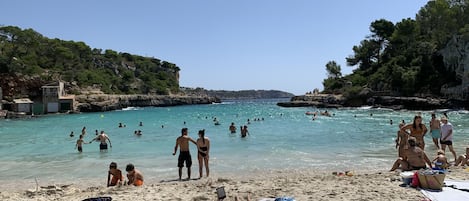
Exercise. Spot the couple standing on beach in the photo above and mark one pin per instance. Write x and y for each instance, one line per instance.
(203, 148)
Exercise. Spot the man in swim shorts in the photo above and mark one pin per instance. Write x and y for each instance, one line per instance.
(102, 138)
(184, 154)
(414, 158)
(435, 130)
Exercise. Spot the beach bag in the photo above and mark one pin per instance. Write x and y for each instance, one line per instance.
(415, 180)
(431, 179)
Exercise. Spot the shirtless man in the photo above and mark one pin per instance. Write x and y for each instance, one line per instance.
(102, 138)
(232, 128)
(417, 130)
(435, 130)
(184, 154)
(414, 158)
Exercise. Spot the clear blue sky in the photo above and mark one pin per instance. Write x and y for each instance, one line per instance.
(219, 44)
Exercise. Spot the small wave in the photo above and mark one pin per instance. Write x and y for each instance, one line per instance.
(130, 108)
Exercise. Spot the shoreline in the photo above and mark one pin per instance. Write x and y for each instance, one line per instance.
(301, 184)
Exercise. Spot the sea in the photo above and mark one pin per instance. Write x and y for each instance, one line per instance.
(40, 149)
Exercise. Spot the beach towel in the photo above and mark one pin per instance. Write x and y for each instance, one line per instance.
(453, 191)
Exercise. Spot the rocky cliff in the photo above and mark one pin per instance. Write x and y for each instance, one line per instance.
(392, 102)
(103, 102)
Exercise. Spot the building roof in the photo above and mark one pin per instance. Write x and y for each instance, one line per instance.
(23, 101)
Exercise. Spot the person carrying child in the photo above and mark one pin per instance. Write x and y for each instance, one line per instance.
(116, 174)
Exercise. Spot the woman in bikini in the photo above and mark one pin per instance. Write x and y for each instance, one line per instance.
(203, 147)
(418, 130)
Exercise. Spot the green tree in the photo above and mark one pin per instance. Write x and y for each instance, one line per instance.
(333, 69)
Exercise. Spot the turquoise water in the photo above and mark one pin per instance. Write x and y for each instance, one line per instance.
(285, 139)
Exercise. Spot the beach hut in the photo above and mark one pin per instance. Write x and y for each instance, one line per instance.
(54, 98)
(23, 105)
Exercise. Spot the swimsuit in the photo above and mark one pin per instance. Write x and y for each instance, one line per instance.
(417, 168)
(436, 133)
(138, 182)
(80, 149)
(184, 156)
(202, 153)
(447, 142)
(102, 146)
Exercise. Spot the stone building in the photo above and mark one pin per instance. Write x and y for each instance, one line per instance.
(54, 98)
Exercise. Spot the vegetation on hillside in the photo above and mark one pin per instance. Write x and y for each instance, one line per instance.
(28, 53)
(405, 58)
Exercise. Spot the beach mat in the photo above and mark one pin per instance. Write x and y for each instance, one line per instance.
(453, 191)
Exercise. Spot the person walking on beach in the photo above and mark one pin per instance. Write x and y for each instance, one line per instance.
(435, 130)
(447, 136)
(80, 143)
(417, 130)
(401, 141)
(203, 147)
(135, 177)
(102, 138)
(232, 127)
(414, 158)
(184, 153)
(116, 174)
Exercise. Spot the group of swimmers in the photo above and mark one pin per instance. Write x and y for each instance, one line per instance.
(103, 138)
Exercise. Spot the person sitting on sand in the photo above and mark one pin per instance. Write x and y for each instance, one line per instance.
(463, 159)
(414, 158)
(440, 161)
(135, 177)
(116, 174)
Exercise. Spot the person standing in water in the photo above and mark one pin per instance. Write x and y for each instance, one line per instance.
(184, 153)
(418, 130)
(232, 128)
(435, 130)
(203, 146)
(102, 138)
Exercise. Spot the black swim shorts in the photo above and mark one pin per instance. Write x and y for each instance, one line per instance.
(446, 142)
(102, 146)
(184, 156)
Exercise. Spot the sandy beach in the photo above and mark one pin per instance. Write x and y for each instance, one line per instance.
(300, 184)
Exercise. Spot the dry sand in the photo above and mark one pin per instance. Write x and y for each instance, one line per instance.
(300, 184)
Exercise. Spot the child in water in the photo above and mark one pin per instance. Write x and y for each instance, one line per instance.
(79, 144)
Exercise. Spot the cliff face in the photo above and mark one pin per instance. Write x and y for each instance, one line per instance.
(102, 102)
(456, 57)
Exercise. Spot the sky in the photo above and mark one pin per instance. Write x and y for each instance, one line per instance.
(219, 44)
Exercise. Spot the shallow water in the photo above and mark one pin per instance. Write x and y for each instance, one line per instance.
(360, 138)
